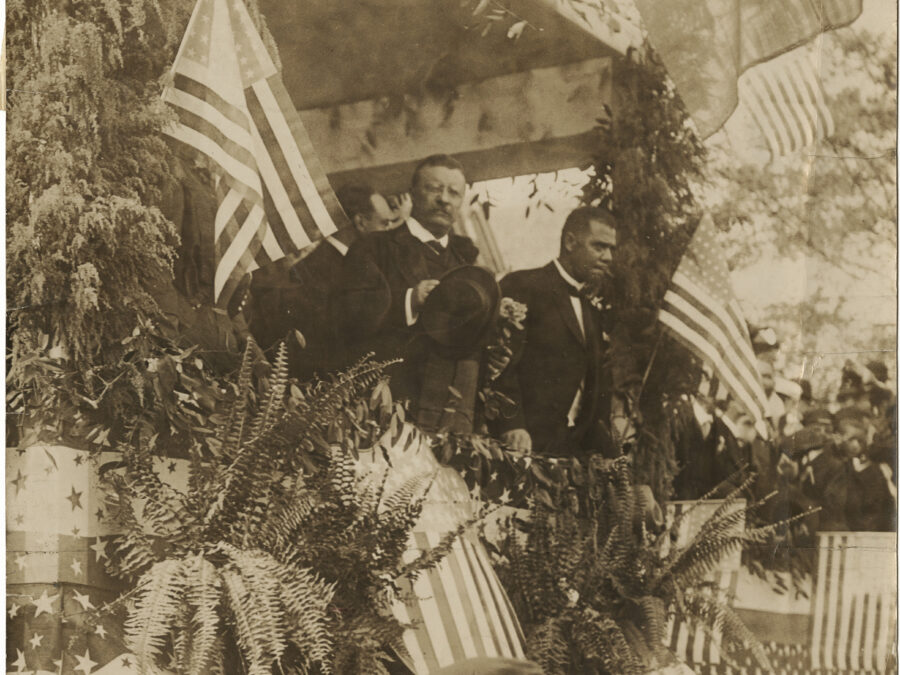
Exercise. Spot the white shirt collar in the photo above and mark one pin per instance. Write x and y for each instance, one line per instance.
(423, 235)
(566, 276)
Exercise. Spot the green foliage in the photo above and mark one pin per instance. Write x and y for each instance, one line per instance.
(277, 551)
(594, 588)
(646, 166)
(89, 251)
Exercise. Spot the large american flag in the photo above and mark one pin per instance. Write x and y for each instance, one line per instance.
(273, 196)
(702, 313)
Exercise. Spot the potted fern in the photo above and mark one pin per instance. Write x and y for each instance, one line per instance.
(277, 557)
(594, 588)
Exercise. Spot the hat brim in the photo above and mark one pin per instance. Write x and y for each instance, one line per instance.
(430, 314)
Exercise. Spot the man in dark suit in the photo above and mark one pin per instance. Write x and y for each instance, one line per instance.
(387, 276)
(296, 294)
(560, 380)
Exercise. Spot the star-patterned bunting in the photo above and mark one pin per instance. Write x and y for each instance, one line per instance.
(83, 600)
(35, 641)
(84, 662)
(75, 498)
(44, 604)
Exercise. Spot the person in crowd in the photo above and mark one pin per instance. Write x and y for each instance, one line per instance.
(560, 380)
(387, 276)
(820, 420)
(871, 497)
(295, 293)
(739, 450)
(814, 476)
(695, 446)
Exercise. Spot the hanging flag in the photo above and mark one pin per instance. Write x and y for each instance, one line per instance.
(785, 101)
(701, 312)
(233, 109)
(707, 44)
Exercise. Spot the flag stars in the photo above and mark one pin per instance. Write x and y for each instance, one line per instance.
(99, 548)
(35, 641)
(79, 459)
(126, 663)
(44, 604)
(84, 662)
(100, 630)
(21, 562)
(84, 600)
(99, 514)
(19, 664)
(13, 610)
(75, 498)
(76, 567)
(20, 519)
(19, 481)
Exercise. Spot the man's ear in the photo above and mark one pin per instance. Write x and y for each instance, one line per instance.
(359, 222)
(568, 242)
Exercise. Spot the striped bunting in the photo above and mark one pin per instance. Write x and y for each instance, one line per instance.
(855, 602)
(784, 98)
(233, 109)
(701, 313)
(458, 610)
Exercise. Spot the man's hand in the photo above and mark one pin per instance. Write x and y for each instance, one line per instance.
(492, 666)
(788, 467)
(420, 292)
(402, 207)
(517, 439)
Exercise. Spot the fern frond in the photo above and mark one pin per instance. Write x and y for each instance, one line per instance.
(272, 403)
(203, 596)
(156, 605)
(240, 605)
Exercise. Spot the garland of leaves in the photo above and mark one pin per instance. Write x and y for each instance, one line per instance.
(645, 166)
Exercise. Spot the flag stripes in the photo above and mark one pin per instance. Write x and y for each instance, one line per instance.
(274, 198)
(784, 98)
(855, 603)
(702, 314)
(458, 609)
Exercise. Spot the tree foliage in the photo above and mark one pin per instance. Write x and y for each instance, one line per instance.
(89, 250)
(831, 210)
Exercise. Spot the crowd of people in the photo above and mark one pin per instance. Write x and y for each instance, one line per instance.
(836, 457)
(404, 284)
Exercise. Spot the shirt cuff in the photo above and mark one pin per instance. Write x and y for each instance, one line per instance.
(411, 317)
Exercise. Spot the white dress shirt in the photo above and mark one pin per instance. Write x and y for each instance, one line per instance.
(423, 235)
(575, 408)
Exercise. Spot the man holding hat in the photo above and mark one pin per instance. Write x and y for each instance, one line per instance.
(387, 277)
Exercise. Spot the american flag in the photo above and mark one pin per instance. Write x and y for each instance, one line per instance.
(233, 109)
(702, 313)
(785, 100)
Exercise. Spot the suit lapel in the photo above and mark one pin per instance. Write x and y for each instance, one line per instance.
(409, 256)
(563, 302)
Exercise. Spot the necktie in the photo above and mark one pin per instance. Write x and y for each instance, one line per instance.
(435, 246)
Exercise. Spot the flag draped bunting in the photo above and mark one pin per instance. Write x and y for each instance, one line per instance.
(701, 312)
(707, 44)
(233, 109)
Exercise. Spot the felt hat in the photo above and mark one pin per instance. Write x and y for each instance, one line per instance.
(817, 416)
(803, 441)
(460, 312)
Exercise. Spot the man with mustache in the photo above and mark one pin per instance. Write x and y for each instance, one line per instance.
(388, 275)
(560, 379)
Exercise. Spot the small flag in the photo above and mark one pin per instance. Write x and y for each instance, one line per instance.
(784, 98)
(233, 109)
(702, 313)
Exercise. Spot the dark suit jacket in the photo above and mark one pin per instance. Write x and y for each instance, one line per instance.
(544, 376)
(299, 298)
(377, 272)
